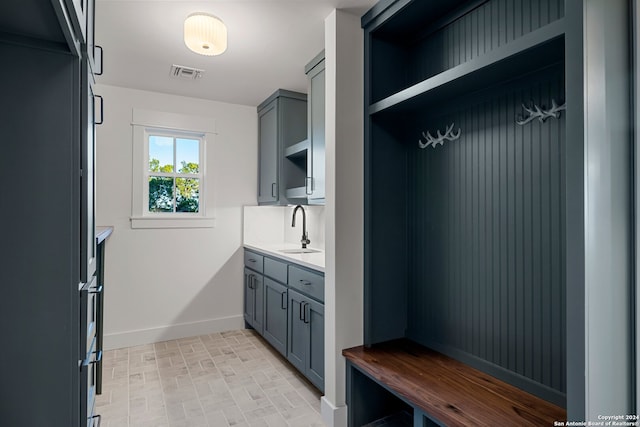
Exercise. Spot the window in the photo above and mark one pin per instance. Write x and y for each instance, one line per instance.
(174, 173)
(170, 184)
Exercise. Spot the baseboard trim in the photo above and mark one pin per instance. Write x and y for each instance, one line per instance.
(171, 332)
(333, 416)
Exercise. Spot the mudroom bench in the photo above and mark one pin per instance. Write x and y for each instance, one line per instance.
(400, 383)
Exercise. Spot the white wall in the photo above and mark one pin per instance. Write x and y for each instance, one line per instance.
(271, 226)
(344, 205)
(169, 283)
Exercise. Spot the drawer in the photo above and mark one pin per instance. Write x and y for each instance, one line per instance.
(277, 270)
(307, 282)
(254, 261)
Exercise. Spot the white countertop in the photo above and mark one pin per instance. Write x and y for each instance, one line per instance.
(313, 260)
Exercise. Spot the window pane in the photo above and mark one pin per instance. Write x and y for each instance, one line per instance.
(188, 155)
(187, 194)
(160, 153)
(160, 194)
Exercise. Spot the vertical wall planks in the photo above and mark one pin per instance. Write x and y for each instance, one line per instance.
(489, 26)
(487, 282)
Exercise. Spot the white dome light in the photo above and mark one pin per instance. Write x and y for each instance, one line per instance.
(205, 34)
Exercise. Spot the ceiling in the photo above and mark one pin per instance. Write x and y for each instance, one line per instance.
(270, 42)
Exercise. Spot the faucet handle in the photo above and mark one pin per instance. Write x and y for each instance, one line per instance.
(305, 240)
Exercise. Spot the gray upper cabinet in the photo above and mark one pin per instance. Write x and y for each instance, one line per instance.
(282, 123)
(315, 182)
(268, 160)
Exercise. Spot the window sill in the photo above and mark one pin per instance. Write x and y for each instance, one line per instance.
(166, 222)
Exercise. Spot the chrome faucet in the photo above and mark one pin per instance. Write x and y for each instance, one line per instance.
(305, 237)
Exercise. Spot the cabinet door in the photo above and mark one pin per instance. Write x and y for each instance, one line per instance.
(316, 181)
(275, 315)
(298, 333)
(87, 197)
(268, 154)
(249, 296)
(258, 307)
(314, 366)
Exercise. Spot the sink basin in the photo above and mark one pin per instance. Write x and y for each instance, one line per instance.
(298, 251)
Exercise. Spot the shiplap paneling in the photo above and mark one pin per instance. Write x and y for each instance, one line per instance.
(396, 65)
(488, 27)
(486, 236)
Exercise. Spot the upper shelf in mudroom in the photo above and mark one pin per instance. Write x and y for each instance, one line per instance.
(532, 51)
(421, 52)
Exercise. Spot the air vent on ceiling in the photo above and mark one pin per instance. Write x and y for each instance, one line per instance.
(186, 73)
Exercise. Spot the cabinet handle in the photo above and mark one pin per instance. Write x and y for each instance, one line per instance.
(273, 190)
(306, 318)
(252, 260)
(308, 185)
(301, 314)
(305, 283)
(97, 291)
(283, 300)
(252, 283)
(101, 59)
(101, 121)
(88, 360)
(96, 417)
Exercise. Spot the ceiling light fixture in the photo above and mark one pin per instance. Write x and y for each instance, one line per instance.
(205, 34)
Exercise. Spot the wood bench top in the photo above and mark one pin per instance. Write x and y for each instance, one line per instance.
(451, 392)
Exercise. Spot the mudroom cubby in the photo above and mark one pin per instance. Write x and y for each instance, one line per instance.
(470, 219)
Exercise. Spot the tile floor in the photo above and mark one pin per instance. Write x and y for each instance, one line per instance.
(220, 380)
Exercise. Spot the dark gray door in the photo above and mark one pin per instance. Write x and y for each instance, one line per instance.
(275, 315)
(268, 152)
(314, 318)
(298, 333)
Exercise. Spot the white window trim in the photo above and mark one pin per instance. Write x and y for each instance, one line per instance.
(145, 122)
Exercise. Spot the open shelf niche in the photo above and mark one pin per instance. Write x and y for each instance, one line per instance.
(465, 239)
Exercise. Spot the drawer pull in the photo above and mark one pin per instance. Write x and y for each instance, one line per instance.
(252, 260)
(88, 360)
(98, 418)
(305, 282)
(96, 291)
(101, 60)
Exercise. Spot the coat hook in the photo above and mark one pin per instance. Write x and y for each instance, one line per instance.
(542, 115)
(449, 135)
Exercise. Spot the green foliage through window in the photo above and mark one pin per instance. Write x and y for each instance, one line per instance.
(170, 191)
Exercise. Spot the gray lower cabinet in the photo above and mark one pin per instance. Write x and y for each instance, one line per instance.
(254, 299)
(275, 315)
(283, 302)
(306, 337)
